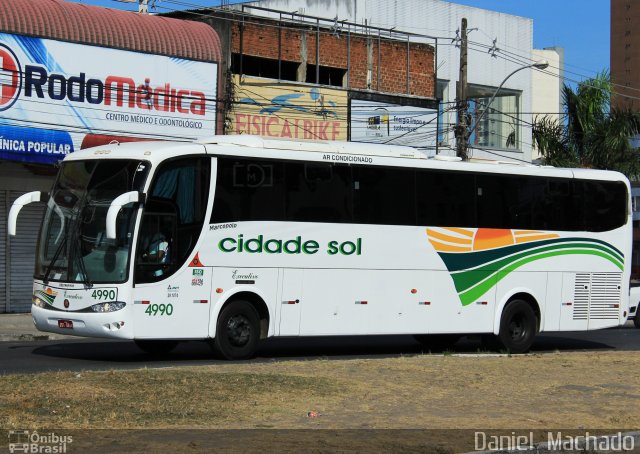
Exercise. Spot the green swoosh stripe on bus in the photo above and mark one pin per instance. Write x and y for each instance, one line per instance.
(474, 273)
(483, 271)
(470, 294)
(459, 262)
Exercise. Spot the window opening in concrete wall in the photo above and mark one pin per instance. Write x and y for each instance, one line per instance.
(328, 75)
(264, 67)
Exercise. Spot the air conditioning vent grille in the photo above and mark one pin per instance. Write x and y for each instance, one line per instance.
(597, 296)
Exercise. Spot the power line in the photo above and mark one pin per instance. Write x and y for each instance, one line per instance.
(196, 7)
(261, 21)
(521, 59)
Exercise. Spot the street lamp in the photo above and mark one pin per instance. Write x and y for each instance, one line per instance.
(543, 64)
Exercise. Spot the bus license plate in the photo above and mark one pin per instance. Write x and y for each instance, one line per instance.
(68, 324)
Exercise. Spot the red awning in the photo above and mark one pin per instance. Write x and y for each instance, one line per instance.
(108, 27)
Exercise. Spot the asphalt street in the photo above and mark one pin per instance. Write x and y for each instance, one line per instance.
(94, 354)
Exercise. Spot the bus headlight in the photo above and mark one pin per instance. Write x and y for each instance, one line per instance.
(38, 302)
(111, 306)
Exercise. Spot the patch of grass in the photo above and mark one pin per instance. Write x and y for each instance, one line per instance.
(564, 390)
(150, 397)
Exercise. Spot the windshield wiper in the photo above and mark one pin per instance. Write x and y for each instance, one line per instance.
(54, 260)
(58, 251)
(72, 235)
(76, 249)
(77, 254)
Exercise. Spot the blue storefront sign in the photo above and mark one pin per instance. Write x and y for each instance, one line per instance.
(34, 145)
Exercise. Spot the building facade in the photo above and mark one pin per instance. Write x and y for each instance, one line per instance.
(625, 53)
(625, 77)
(498, 44)
(292, 75)
(546, 88)
(329, 83)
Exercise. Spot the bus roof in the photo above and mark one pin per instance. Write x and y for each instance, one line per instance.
(152, 151)
(319, 146)
(325, 151)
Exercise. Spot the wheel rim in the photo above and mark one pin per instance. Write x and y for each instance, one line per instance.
(238, 330)
(517, 328)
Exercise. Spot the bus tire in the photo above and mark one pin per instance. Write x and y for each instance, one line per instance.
(156, 347)
(636, 320)
(518, 327)
(437, 342)
(237, 332)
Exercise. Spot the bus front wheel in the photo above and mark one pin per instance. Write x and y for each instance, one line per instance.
(518, 327)
(237, 332)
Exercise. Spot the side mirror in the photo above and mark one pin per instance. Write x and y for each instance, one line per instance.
(25, 199)
(116, 206)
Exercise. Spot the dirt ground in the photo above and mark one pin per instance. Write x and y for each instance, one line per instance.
(519, 392)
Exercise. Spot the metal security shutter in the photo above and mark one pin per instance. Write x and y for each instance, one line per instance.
(22, 250)
(4, 210)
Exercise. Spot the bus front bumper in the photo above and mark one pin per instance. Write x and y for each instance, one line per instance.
(108, 325)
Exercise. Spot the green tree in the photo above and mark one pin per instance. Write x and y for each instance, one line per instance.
(595, 134)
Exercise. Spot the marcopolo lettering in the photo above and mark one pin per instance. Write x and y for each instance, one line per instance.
(120, 91)
(297, 245)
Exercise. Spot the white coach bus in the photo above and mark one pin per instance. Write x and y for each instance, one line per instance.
(239, 238)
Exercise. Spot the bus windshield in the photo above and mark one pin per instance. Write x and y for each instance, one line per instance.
(73, 246)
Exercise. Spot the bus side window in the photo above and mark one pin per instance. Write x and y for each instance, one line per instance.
(558, 212)
(445, 198)
(492, 201)
(158, 233)
(604, 204)
(248, 190)
(318, 192)
(173, 217)
(384, 195)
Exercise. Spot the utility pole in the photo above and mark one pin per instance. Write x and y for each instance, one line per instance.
(462, 136)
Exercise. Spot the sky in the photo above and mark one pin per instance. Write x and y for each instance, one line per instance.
(581, 27)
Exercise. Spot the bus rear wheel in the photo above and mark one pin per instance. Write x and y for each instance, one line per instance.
(156, 347)
(237, 332)
(518, 327)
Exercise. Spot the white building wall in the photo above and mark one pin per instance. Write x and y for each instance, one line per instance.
(438, 18)
(546, 87)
